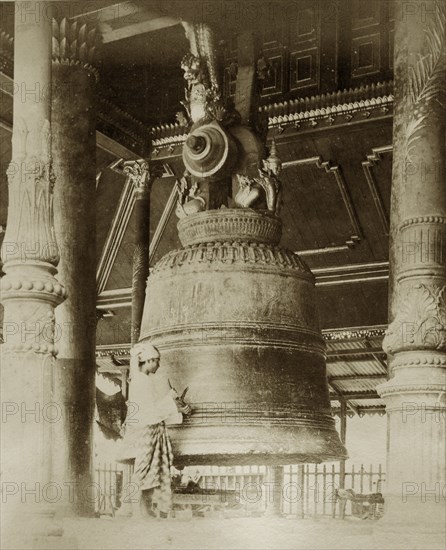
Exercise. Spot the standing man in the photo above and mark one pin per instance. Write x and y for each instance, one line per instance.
(153, 404)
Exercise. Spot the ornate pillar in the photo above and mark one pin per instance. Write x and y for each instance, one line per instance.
(416, 337)
(73, 119)
(142, 179)
(30, 291)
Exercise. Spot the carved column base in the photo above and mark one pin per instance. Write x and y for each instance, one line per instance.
(29, 294)
(416, 411)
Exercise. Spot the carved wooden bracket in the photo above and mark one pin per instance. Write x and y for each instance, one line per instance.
(356, 232)
(367, 165)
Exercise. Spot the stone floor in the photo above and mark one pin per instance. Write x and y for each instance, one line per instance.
(237, 533)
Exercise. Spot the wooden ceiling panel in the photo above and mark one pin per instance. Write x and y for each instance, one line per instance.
(121, 271)
(321, 193)
(114, 329)
(169, 240)
(336, 189)
(353, 305)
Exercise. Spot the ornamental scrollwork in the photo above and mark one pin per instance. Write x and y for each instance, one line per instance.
(142, 174)
(420, 322)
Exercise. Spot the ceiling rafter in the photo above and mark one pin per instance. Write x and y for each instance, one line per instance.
(341, 398)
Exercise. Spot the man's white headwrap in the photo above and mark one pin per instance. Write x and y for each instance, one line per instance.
(142, 350)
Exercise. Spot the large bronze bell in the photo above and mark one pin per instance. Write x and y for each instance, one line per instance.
(232, 313)
(234, 317)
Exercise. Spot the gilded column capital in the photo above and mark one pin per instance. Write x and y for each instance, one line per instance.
(75, 43)
(142, 175)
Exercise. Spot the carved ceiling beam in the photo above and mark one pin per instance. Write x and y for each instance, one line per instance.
(126, 19)
(247, 90)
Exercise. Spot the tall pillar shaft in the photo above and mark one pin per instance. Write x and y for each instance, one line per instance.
(142, 178)
(74, 128)
(416, 337)
(138, 171)
(30, 291)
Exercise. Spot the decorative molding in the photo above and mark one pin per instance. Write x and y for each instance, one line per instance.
(370, 94)
(368, 410)
(353, 333)
(169, 142)
(431, 358)
(373, 42)
(27, 288)
(423, 219)
(229, 224)
(423, 242)
(44, 349)
(226, 253)
(116, 298)
(325, 250)
(356, 232)
(280, 335)
(328, 117)
(113, 349)
(354, 273)
(367, 166)
(388, 388)
(325, 110)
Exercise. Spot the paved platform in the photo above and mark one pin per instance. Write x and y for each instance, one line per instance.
(234, 533)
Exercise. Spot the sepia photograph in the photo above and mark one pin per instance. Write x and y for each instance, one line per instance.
(223, 274)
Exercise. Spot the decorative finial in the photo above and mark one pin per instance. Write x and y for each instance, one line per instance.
(273, 162)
